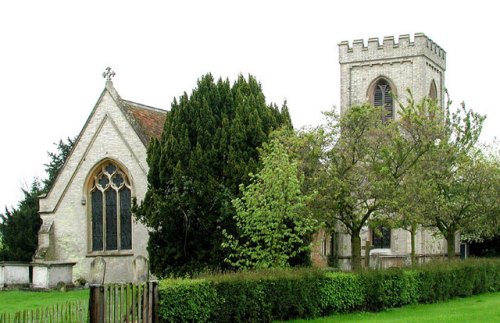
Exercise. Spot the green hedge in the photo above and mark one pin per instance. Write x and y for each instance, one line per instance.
(305, 293)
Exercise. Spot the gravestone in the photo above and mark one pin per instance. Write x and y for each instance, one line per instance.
(97, 271)
(141, 269)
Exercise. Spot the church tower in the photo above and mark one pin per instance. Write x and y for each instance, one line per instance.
(371, 73)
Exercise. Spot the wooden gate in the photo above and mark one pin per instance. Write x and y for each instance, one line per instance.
(124, 303)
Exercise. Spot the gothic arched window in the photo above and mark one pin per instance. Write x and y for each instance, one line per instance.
(382, 98)
(110, 217)
(433, 91)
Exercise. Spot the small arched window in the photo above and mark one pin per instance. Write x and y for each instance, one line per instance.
(382, 97)
(433, 91)
(110, 200)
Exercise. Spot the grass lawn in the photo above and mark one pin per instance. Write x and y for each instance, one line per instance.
(15, 300)
(480, 308)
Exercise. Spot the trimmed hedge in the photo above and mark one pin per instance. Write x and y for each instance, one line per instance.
(270, 295)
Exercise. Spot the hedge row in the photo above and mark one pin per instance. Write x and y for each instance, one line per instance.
(285, 294)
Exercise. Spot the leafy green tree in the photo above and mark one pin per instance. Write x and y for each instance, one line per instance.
(19, 226)
(413, 136)
(207, 149)
(365, 161)
(455, 179)
(272, 218)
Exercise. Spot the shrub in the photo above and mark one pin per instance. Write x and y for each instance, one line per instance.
(439, 281)
(389, 288)
(341, 293)
(264, 296)
(186, 300)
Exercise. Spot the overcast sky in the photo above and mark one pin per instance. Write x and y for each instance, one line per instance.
(52, 55)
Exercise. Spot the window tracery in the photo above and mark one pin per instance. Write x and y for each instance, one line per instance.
(110, 203)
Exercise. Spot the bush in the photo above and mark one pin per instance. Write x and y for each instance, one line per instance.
(341, 293)
(439, 281)
(186, 300)
(264, 296)
(389, 288)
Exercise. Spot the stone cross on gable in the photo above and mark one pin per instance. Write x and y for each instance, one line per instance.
(108, 73)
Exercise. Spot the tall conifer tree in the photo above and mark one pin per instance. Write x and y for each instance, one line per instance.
(207, 149)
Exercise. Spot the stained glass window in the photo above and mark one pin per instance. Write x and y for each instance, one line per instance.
(110, 198)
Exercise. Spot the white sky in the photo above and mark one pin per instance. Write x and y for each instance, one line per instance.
(52, 54)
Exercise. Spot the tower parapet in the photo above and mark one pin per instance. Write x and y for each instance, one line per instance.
(389, 49)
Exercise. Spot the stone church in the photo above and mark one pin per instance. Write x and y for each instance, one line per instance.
(87, 214)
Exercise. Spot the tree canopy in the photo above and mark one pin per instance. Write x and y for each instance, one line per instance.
(273, 221)
(456, 183)
(207, 149)
(365, 160)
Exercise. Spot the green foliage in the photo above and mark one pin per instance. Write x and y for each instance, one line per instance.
(207, 149)
(341, 293)
(442, 281)
(264, 296)
(365, 161)
(19, 226)
(272, 219)
(186, 300)
(57, 160)
(452, 187)
(389, 288)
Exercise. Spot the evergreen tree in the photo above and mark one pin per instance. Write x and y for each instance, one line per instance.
(207, 149)
(19, 226)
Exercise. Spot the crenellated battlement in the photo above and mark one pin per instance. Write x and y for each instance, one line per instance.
(375, 50)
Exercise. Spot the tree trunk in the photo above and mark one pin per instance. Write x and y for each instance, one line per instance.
(356, 251)
(450, 240)
(412, 234)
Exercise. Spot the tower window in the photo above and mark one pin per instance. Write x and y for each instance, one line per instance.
(433, 91)
(382, 98)
(110, 200)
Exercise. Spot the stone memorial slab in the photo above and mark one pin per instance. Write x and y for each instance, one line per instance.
(97, 271)
(49, 274)
(140, 267)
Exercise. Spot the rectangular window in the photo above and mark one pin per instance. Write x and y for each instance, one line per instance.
(381, 239)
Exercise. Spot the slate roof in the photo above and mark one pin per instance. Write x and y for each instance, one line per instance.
(146, 121)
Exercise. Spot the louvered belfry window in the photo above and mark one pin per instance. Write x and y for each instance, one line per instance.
(110, 198)
(382, 98)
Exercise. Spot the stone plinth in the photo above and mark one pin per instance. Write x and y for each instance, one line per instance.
(14, 274)
(47, 275)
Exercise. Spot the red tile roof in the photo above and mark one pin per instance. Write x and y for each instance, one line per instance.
(146, 121)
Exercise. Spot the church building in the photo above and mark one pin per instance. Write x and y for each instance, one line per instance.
(87, 212)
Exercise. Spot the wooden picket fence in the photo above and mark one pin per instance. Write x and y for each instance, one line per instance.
(71, 312)
(107, 303)
(124, 303)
